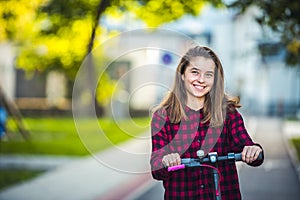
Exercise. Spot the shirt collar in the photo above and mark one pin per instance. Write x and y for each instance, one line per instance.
(190, 110)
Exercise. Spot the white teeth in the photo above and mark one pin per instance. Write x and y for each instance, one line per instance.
(199, 87)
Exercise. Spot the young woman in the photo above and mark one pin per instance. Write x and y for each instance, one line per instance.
(197, 114)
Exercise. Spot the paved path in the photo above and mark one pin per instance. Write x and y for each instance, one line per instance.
(35, 162)
(276, 179)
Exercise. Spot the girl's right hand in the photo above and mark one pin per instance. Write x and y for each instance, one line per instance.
(171, 160)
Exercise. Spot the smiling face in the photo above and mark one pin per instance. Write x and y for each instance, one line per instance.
(198, 79)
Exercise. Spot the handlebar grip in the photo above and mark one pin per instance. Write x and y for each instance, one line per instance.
(260, 156)
(177, 167)
(238, 156)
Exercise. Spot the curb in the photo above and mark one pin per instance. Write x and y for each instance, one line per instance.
(126, 189)
(141, 189)
(290, 147)
(129, 189)
(35, 162)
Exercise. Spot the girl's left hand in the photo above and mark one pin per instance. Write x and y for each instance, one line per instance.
(251, 153)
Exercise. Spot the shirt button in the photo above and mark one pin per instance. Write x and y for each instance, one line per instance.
(202, 186)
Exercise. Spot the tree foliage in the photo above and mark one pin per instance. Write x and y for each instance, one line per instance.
(155, 12)
(283, 17)
(16, 17)
(64, 28)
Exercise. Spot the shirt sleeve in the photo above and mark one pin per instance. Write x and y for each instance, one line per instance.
(239, 136)
(160, 126)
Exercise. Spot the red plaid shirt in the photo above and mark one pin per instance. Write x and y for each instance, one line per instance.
(186, 138)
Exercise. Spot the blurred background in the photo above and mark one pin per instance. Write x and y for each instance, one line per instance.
(134, 48)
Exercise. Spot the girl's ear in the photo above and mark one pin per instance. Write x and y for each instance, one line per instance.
(182, 77)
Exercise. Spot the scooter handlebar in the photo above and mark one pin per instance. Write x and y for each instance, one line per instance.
(193, 162)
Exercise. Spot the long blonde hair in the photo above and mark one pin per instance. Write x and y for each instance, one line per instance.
(216, 102)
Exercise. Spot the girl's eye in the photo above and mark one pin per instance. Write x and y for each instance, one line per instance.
(209, 75)
(195, 72)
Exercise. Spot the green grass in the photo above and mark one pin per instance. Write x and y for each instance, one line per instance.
(296, 143)
(59, 136)
(10, 177)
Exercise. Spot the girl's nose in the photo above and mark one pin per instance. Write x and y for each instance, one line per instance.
(201, 78)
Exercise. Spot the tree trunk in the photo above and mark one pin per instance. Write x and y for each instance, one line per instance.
(14, 112)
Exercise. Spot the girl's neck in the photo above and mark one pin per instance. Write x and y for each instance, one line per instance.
(195, 103)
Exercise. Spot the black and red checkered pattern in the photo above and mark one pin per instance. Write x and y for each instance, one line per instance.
(186, 138)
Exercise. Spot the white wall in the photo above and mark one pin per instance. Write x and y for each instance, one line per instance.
(7, 72)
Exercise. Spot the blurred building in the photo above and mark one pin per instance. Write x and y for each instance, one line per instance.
(35, 93)
(265, 84)
(7, 71)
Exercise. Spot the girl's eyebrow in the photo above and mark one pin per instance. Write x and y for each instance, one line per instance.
(195, 68)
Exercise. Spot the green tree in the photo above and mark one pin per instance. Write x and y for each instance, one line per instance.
(283, 17)
(155, 13)
(61, 43)
(16, 17)
(50, 34)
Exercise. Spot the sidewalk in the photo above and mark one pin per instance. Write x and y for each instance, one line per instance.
(276, 179)
(34, 162)
(125, 167)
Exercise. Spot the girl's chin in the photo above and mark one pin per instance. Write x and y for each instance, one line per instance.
(197, 95)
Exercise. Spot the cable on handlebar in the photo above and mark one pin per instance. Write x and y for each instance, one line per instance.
(219, 174)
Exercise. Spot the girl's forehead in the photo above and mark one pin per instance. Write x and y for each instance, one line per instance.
(202, 63)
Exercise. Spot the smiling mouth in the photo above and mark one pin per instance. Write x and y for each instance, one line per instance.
(199, 87)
